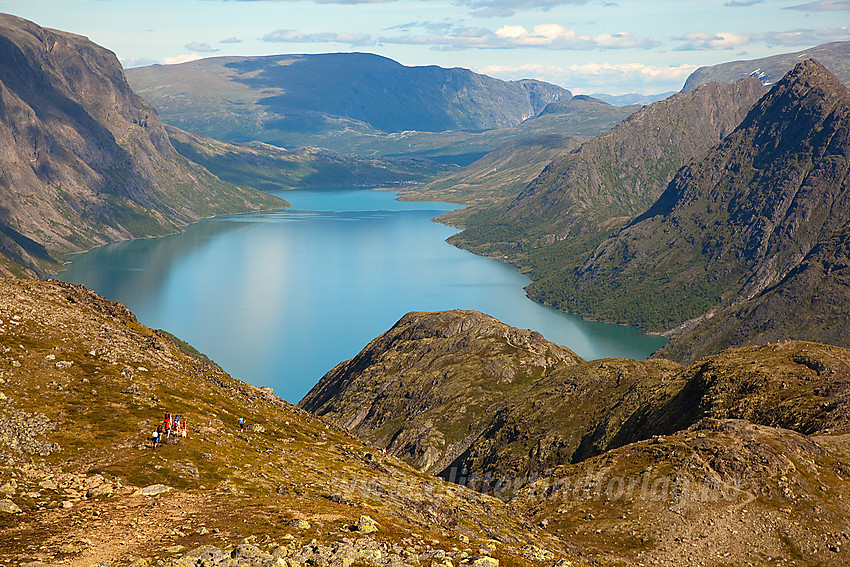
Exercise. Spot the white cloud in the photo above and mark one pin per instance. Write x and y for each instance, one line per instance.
(615, 78)
(201, 47)
(130, 62)
(182, 58)
(293, 36)
(546, 36)
(231, 40)
(823, 6)
(702, 41)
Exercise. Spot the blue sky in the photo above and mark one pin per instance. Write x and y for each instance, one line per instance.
(645, 46)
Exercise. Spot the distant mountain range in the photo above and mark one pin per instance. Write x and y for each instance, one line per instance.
(631, 98)
(86, 160)
(332, 100)
(834, 56)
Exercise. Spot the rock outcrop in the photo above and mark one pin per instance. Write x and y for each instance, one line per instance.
(425, 388)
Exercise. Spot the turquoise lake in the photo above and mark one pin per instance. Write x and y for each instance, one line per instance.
(279, 298)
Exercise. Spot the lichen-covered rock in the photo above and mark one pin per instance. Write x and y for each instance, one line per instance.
(536, 553)
(366, 525)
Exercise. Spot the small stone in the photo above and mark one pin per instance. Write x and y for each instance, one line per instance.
(99, 491)
(50, 357)
(9, 507)
(175, 549)
(298, 524)
(15, 363)
(255, 427)
(67, 504)
(202, 531)
(64, 364)
(3, 397)
(47, 484)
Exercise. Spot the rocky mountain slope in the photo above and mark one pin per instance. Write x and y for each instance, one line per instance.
(82, 387)
(635, 460)
(458, 390)
(737, 221)
(425, 388)
(579, 198)
(834, 56)
(84, 384)
(722, 492)
(319, 100)
(85, 160)
(810, 303)
(513, 157)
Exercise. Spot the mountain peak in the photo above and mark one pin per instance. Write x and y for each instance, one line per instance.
(807, 80)
(737, 221)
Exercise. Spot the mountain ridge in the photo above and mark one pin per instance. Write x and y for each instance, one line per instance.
(769, 70)
(280, 99)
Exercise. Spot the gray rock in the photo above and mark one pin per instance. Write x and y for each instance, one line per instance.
(9, 507)
(152, 490)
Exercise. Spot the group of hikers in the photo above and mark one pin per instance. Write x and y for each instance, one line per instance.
(171, 426)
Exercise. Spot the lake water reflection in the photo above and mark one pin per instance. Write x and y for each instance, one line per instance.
(279, 298)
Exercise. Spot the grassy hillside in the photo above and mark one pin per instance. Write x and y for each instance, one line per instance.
(84, 385)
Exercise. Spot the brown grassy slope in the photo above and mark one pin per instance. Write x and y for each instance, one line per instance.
(84, 384)
(723, 492)
(457, 391)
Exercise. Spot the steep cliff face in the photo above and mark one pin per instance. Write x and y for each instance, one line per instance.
(622, 172)
(737, 221)
(810, 303)
(85, 160)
